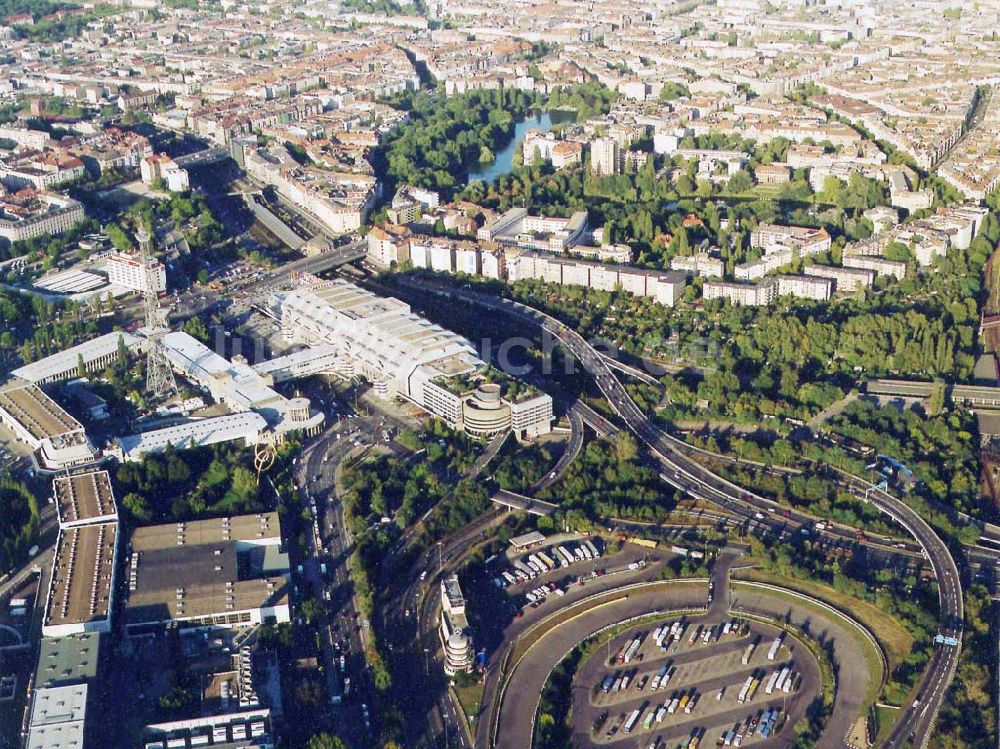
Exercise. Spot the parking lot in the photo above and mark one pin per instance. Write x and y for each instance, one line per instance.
(709, 682)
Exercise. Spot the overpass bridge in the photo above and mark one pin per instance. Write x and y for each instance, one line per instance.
(977, 396)
(519, 502)
(204, 156)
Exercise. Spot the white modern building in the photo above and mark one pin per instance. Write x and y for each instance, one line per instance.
(405, 356)
(58, 718)
(701, 264)
(455, 639)
(97, 354)
(245, 428)
(768, 290)
(161, 166)
(664, 287)
(237, 385)
(127, 271)
(605, 157)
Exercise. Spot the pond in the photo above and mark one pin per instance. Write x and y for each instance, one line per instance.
(505, 157)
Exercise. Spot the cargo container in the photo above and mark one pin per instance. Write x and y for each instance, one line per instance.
(789, 682)
(585, 551)
(679, 550)
(775, 647)
(578, 553)
(682, 705)
(694, 742)
(769, 687)
(748, 652)
(592, 547)
(567, 558)
(631, 650)
(742, 696)
(546, 560)
(782, 677)
(633, 718)
(753, 689)
(648, 722)
(672, 706)
(694, 634)
(661, 713)
(616, 687)
(689, 707)
(666, 677)
(658, 677)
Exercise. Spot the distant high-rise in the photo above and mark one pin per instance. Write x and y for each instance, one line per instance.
(604, 157)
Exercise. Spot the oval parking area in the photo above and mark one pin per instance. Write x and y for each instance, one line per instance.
(737, 681)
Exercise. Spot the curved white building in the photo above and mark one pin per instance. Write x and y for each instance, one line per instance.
(403, 355)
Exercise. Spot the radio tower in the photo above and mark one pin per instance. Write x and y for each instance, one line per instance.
(160, 383)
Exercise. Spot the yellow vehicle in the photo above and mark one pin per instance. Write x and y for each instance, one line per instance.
(641, 542)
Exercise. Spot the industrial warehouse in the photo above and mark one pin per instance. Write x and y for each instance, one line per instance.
(224, 572)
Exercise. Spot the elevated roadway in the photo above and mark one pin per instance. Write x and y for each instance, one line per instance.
(916, 721)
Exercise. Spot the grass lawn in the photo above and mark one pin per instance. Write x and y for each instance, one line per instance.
(470, 696)
(886, 720)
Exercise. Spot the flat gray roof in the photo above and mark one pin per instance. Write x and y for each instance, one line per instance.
(68, 660)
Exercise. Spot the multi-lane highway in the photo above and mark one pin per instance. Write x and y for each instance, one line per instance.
(916, 720)
(329, 545)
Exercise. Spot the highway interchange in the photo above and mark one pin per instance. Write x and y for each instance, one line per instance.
(691, 477)
(915, 721)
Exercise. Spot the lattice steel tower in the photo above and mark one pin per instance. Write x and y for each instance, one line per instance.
(160, 383)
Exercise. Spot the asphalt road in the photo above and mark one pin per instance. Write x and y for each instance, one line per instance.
(569, 454)
(328, 544)
(340, 627)
(515, 721)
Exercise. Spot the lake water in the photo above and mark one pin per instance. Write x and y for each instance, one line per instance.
(505, 157)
